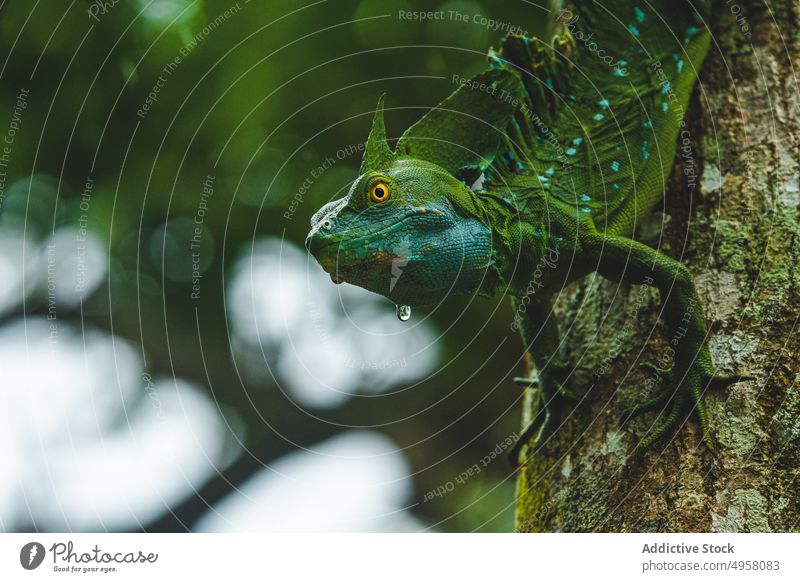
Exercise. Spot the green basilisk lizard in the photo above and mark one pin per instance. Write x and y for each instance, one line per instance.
(532, 174)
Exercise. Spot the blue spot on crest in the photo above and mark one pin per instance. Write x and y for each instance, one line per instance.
(598, 117)
(550, 171)
(571, 151)
(584, 198)
(633, 29)
(664, 106)
(603, 103)
(615, 166)
(647, 124)
(639, 14)
(577, 141)
(585, 209)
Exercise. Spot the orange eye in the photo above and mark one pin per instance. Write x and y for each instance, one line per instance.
(379, 192)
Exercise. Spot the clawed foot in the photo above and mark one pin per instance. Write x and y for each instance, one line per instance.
(688, 389)
(551, 398)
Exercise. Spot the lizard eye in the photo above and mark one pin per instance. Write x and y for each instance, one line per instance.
(379, 192)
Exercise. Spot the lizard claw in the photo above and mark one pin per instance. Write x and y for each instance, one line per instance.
(552, 399)
(653, 403)
(678, 393)
(541, 426)
(654, 369)
(531, 381)
(725, 380)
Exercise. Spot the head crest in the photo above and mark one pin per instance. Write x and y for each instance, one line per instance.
(377, 154)
(466, 129)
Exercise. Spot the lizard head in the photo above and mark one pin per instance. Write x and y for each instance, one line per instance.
(407, 229)
(399, 233)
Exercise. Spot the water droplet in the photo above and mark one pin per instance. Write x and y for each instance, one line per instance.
(403, 312)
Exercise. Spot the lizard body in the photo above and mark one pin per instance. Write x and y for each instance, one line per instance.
(567, 146)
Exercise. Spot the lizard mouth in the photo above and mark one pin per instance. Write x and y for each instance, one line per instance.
(317, 246)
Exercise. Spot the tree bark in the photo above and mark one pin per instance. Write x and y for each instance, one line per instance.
(737, 230)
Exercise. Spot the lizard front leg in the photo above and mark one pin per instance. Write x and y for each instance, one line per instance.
(539, 332)
(622, 259)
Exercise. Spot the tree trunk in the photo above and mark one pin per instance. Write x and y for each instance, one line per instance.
(736, 227)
